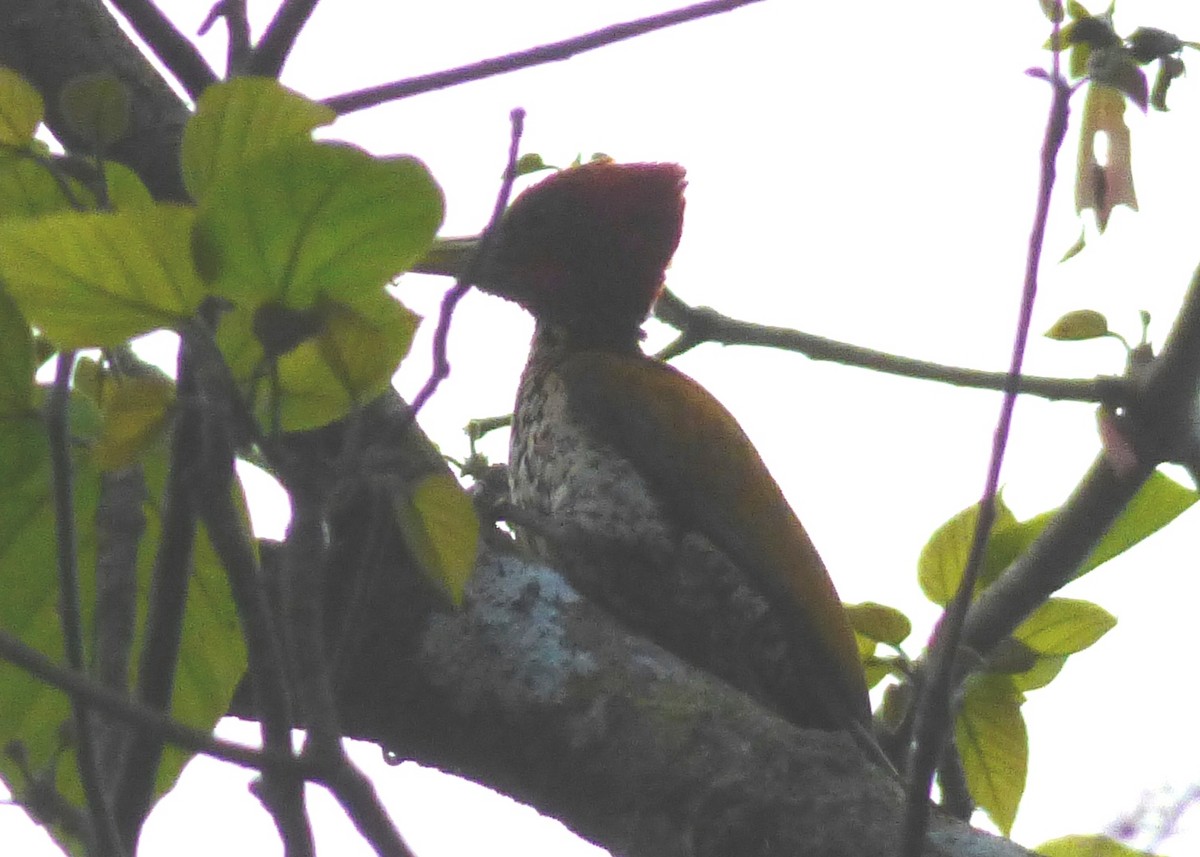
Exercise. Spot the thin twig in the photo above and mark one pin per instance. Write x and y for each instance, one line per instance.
(70, 610)
(159, 657)
(933, 711)
(358, 797)
(699, 325)
(553, 52)
(441, 363)
(277, 42)
(120, 707)
(173, 48)
(282, 795)
(237, 25)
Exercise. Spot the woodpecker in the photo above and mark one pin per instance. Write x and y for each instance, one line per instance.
(660, 508)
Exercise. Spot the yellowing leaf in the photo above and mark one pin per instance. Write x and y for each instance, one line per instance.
(93, 280)
(1103, 187)
(994, 747)
(441, 530)
(237, 121)
(879, 622)
(306, 222)
(135, 412)
(1079, 325)
(96, 106)
(20, 109)
(1063, 626)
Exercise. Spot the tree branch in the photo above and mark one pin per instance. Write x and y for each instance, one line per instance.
(172, 47)
(553, 52)
(700, 325)
(277, 42)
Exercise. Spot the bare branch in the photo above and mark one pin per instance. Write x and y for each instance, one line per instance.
(441, 362)
(699, 325)
(277, 42)
(553, 52)
(172, 47)
(933, 706)
(121, 707)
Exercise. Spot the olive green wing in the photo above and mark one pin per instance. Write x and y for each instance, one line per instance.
(692, 450)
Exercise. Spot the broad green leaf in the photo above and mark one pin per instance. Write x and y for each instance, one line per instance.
(1103, 187)
(237, 121)
(879, 622)
(135, 413)
(212, 659)
(125, 188)
(349, 358)
(1078, 325)
(309, 221)
(89, 280)
(20, 109)
(441, 530)
(27, 188)
(1160, 501)
(16, 359)
(994, 747)
(876, 669)
(1088, 845)
(1064, 626)
(96, 107)
(1044, 670)
(944, 557)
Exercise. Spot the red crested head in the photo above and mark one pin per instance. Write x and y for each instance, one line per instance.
(587, 249)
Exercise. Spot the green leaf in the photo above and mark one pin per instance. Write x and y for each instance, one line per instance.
(1078, 325)
(308, 221)
(348, 357)
(1160, 501)
(135, 413)
(89, 280)
(441, 530)
(212, 657)
(1044, 670)
(1064, 626)
(96, 107)
(1090, 845)
(238, 121)
(125, 188)
(879, 622)
(21, 109)
(16, 360)
(944, 557)
(27, 188)
(994, 747)
(1076, 248)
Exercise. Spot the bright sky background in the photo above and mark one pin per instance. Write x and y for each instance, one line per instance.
(861, 171)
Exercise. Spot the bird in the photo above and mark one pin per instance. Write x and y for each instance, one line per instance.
(634, 480)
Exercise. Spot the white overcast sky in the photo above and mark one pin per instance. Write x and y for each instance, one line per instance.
(862, 171)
